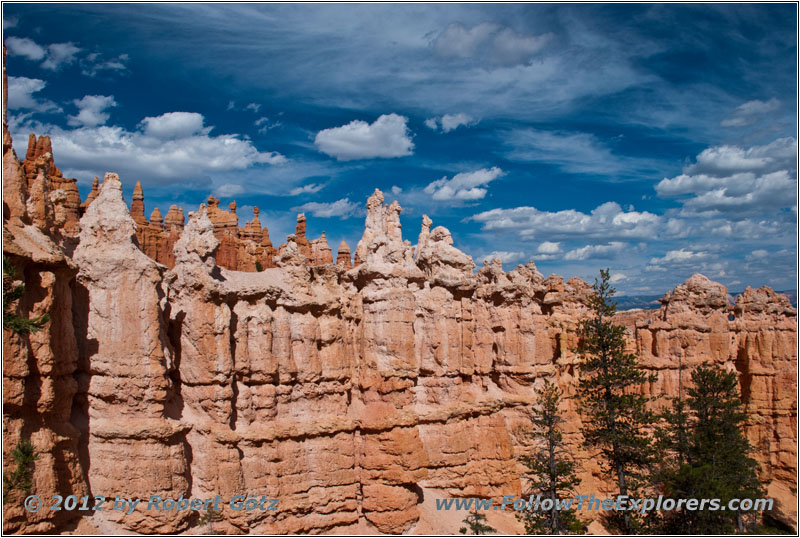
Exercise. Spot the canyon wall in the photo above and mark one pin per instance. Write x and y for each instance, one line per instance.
(350, 393)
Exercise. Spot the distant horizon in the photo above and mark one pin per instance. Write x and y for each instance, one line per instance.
(657, 140)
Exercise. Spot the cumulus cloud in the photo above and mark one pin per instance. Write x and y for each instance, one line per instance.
(170, 147)
(27, 48)
(750, 112)
(20, 95)
(396, 190)
(605, 221)
(504, 256)
(92, 110)
(306, 189)
(174, 125)
(736, 181)
(60, 55)
(681, 255)
(464, 186)
(449, 122)
(488, 41)
(617, 277)
(387, 137)
(549, 247)
(343, 208)
(53, 56)
(596, 251)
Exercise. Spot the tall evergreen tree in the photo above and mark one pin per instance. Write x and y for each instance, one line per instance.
(551, 469)
(614, 412)
(716, 463)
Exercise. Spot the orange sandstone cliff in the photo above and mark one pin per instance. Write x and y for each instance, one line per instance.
(354, 394)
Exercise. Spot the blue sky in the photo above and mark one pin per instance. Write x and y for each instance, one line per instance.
(658, 140)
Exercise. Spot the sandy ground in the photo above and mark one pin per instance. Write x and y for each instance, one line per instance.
(439, 522)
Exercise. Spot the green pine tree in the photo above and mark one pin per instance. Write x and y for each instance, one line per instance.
(714, 461)
(476, 524)
(551, 469)
(615, 414)
(12, 293)
(21, 478)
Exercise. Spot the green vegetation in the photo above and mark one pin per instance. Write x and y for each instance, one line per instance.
(259, 267)
(22, 478)
(208, 519)
(615, 414)
(11, 294)
(476, 524)
(551, 469)
(705, 455)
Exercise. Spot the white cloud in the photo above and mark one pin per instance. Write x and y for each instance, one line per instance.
(449, 122)
(20, 95)
(456, 41)
(605, 221)
(255, 107)
(310, 188)
(174, 125)
(264, 125)
(549, 247)
(504, 256)
(757, 255)
(343, 208)
(60, 55)
(91, 110)
(396, 190)
(511, 48)
(228, 190)
(27, 48)
(750, 112)
(736, 181)
(10, 22)
(617, 277)
(574, 152)
(681, 255)
(464, 186)
(170, 147)
(781, 154)
(596, 251)
(488, 41)
(387, 137)
(94, 64)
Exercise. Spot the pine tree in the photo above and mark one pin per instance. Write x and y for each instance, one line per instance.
(12, 293)
(475, 522)
(614, 413)
(551, 469)
(717, 464)
(21, 478)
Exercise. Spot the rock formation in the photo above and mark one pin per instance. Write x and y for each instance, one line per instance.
(171, 366)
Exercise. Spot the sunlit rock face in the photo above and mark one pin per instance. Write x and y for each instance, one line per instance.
(190, 358)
